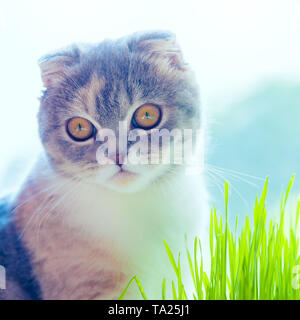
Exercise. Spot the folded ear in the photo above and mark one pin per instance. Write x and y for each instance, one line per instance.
(54, 67)
(161, 44)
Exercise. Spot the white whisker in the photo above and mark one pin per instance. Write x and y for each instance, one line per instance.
(234, 172)
(34, 215)
(233, 188)
(235, 177)
(49, 211)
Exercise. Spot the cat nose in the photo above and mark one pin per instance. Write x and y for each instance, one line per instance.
(119, 159)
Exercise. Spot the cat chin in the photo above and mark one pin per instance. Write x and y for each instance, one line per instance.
(127, 183)
(129, 189)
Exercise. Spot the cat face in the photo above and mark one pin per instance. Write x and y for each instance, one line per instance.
(131, 87)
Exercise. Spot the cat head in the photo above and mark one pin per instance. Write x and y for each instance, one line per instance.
(130, 87)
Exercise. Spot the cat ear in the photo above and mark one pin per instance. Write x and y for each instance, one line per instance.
(162, 44)
(54, 67)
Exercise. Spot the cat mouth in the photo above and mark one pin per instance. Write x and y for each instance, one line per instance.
(123, 177)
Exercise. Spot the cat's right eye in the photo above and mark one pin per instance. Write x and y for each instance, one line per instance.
(80, 129)
(146, 116)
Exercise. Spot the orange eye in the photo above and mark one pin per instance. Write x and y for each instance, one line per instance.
(146, 116)
(80, 129)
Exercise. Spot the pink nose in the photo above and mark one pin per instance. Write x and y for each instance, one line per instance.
(117, 159)
(120, 157)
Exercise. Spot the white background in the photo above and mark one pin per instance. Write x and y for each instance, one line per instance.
(233, 45)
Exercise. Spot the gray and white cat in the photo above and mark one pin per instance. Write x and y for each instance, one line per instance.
(81, 230)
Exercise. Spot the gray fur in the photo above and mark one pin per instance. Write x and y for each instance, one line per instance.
(104, 82)
(127, 69)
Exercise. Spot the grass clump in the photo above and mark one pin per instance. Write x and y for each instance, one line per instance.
(259, 263)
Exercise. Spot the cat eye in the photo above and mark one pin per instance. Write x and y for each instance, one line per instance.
(146, 116)
(80, 129)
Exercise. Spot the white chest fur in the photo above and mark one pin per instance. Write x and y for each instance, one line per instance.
(95, 238)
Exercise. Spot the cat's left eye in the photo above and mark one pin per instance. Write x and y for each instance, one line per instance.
(146, 116)
(80, 129)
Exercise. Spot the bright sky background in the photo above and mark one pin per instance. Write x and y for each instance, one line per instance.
(234, 46)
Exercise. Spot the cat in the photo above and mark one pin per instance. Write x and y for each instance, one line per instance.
(78, 229)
